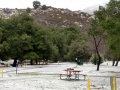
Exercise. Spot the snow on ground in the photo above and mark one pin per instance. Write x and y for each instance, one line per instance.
(46, 77)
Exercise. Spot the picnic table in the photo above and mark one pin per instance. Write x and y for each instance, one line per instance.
(71, 72)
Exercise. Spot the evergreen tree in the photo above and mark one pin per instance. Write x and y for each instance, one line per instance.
(36, 4)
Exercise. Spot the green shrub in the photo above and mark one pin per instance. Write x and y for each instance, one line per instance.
(44, 7)
(28, 10)
(94, 60)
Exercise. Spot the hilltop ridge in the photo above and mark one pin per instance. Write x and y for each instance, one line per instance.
(59, 17)
(55, 17)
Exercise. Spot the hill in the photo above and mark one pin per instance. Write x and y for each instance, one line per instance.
(58, 17)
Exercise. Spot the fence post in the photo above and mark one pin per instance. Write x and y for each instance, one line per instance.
(113, 83)
(2, 72)
(88, 84)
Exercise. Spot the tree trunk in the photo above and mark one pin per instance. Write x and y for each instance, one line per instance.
(95, 59)
(117, 62)
(46, 61)
(113, 62)
(31, 62)
(21, 62)
(15, 62)
(97, 52)
(36, 62)
(99, 59)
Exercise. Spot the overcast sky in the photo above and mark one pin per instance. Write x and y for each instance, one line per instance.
(70, 4)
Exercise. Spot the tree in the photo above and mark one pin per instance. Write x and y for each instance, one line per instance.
(44, 7)
(20, 30)
(97, 34)
(31, 56)
(36, 4)
(113, 48)
(76, 43)
(59, 42)
(22, 38)
(4, 48)
(28, 10)
(30, 41)
(67, 43)
(109, 20)
(44, 45)
(94, 59)
(113, 21)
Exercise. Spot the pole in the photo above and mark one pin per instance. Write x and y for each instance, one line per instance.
(2, 72)
(88, 84)
(113, 83)
(16, 66)
(76, 62)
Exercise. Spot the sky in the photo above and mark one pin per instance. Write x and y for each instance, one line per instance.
(69, 4)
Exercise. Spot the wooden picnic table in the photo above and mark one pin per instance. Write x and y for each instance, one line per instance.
(72, 72)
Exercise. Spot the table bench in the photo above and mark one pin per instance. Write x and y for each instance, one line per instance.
(83, 75)
(68, 75)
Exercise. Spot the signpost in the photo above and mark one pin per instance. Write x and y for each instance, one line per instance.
(76, 62)
(16, 66)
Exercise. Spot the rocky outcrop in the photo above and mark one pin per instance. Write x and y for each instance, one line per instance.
(7, 13)
(58, 17)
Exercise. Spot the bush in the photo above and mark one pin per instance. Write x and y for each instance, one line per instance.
(44, 7)
(28, 10)
(95, 61)
(36, 4)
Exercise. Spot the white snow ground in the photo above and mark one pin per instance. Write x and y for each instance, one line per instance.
(46, 77)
